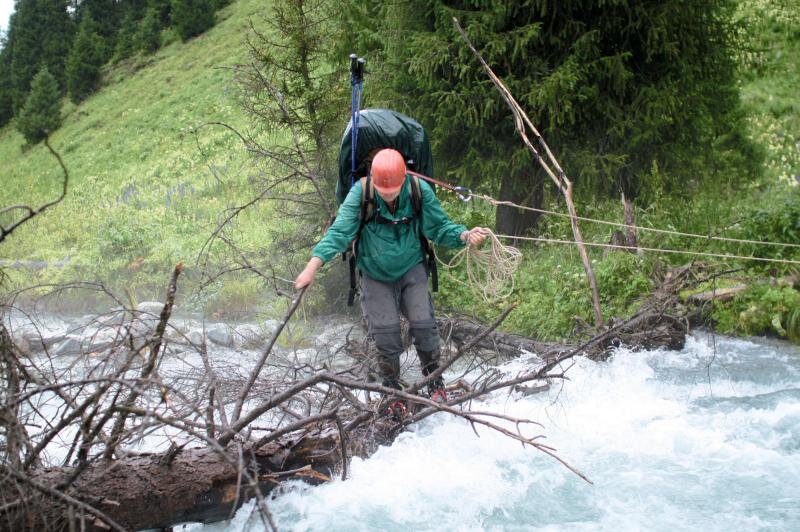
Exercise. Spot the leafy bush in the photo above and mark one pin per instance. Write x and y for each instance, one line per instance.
(761, 309)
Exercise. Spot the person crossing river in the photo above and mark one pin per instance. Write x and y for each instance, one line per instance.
(391, 261)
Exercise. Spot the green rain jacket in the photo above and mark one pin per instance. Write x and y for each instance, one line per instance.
(385, 251)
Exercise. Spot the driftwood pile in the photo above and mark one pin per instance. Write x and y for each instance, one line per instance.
(234, 437)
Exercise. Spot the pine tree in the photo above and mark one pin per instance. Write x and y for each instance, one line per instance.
(103, 18)
(126, 38)
(84, 62)
(192, 17)
(41, 114)
(148, 37)
(6, 108)
(616, 88)
(43, 33)
(289, 89)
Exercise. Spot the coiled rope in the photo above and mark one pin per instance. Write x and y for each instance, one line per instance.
(490, 268)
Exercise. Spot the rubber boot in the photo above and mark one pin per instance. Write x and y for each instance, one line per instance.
(429, 361)
(389, 369)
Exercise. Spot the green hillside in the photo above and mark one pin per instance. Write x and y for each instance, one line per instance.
(146, 185)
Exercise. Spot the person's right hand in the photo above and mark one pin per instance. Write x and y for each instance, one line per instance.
(308, 274)
(305, 278)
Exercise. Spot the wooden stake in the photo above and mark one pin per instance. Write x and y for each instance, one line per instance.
(564, 185)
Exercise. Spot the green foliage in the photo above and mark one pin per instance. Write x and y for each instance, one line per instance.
(148, 38)
(41, 114)
(84, 62)
(101, 17)
(42, 36)
(622, 279)
(192, 17)
(238, 295)
(609, 85)
(126, 39)
(6, 107)
(774, 221)
(761, 309)
(772, 74)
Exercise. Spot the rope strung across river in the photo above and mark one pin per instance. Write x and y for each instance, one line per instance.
(495, 202)
(491, 269)
(657, 250)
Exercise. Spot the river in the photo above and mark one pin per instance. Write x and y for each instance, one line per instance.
(703, 439)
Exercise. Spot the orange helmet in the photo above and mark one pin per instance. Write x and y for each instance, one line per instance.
(388, 171)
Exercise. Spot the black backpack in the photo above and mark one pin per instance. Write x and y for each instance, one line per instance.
(379, 129)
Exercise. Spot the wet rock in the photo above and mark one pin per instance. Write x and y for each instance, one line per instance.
(152, 309)
(249, 336)
(221, 335)
(38, 341)
(71, 345)
(270, 326)
(195, 337)
(335, 339)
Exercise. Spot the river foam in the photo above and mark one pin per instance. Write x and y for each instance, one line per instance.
(704, 439)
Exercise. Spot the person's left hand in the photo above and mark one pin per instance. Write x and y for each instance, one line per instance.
(476, 236)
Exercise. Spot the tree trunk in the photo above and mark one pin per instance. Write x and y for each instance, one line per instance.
(526, 188)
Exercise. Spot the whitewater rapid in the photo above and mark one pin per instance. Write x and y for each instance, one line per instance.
(703, 439)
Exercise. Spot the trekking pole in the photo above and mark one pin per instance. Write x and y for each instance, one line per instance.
(463, 193)
(356, 84)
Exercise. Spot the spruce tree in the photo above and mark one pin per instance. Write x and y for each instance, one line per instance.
(148, 36)
(616, 88)
(126, 38)
(6, 108)
(41, 114)
(84, 62)
(43, 33)
(103, 17)
(192, 17)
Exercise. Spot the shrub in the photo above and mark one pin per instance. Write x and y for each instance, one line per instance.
(41, 114)
(192, 17)
(761, 309)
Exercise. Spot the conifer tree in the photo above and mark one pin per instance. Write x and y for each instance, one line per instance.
(148, 36)
(126, 38)
(616, 88)
(41, 113)
(192, 17)
(6, 109)
(43, 33)
(103, 18)
(84, 63)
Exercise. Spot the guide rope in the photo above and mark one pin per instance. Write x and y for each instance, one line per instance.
(495, 202)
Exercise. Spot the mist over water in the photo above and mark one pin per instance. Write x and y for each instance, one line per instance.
(703, 439)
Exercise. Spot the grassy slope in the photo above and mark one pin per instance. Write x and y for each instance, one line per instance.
(141, 188)
(144, 188)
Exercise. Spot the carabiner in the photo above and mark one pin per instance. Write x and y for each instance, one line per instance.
(463, 193)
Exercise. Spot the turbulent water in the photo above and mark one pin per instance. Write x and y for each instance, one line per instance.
(707, 438)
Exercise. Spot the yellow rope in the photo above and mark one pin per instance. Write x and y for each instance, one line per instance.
(490, 269)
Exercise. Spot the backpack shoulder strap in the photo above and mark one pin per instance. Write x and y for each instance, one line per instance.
(367, 201)
(416, 196)
(427, 248)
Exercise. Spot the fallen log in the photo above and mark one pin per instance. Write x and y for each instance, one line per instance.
(197, 485)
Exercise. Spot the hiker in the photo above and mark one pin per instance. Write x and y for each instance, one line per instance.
(390, 258)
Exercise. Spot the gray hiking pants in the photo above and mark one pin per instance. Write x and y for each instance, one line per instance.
(381, 306)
